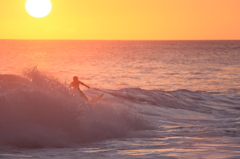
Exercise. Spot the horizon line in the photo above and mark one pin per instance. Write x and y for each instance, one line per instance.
(129, 39)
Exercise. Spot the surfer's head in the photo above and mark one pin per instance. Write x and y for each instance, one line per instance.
(75, 78)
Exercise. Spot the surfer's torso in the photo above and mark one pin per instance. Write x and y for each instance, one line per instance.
(75, 85)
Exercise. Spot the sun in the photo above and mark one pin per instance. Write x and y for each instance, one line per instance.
(38, 8)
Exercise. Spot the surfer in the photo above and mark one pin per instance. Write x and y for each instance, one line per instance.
(75, 85)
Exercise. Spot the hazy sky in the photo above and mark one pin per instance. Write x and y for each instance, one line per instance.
(124, 20)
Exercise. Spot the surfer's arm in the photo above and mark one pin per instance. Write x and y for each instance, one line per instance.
(84, 84)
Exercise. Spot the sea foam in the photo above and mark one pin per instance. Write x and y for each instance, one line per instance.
(39, 111)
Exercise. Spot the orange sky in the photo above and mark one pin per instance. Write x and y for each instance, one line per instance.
(124, 20)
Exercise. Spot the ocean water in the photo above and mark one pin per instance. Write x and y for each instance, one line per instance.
(162, 99)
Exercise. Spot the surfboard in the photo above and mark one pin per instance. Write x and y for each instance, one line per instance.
(94, 100)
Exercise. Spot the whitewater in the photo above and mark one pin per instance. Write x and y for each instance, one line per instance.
(162, 99)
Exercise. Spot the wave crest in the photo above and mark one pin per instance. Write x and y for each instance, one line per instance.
(39, 111)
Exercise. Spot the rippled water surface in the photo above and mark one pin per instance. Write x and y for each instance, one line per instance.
(162, 99)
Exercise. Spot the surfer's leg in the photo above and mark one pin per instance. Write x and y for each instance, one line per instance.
(83, 95)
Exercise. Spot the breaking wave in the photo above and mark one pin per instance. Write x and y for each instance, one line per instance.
(37, 110)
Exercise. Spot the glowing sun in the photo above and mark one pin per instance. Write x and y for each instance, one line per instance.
(38, 8)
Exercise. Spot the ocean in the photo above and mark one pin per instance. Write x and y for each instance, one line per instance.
(162, 99)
